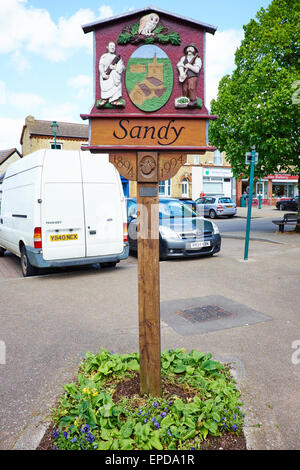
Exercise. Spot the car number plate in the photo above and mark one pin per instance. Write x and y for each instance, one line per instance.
(64, 237)
(198, 244)
(229, 207)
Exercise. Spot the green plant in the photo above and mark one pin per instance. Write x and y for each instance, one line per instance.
(88, 416)
(160, 35)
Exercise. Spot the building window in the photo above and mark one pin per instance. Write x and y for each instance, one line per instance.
(217, 157)
(212, 185)
(196, 159)
(58, 146)
(284, 189)
(185, 187)
(164, 188)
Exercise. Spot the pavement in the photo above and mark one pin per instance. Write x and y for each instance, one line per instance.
(49, 322)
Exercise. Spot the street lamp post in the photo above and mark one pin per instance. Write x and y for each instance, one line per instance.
(54, 129)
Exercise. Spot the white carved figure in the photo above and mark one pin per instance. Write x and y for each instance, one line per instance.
(111, 67)
(189, 67)
(148, 23)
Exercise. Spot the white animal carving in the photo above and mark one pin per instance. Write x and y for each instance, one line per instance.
(148, 23)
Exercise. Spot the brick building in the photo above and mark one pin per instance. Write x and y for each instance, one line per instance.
(37, 134)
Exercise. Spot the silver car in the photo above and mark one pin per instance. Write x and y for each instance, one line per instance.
(215, 206)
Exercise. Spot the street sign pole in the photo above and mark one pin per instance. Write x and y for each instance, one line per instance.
(252, 164)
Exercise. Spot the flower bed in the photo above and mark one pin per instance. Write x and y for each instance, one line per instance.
(103, 409)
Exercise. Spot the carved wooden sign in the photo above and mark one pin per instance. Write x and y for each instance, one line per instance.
(149, 83)
(127, 165)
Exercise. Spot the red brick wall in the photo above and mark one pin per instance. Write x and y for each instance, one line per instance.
(187, 33)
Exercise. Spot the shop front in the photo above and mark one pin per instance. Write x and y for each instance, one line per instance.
(284, 186)
(270, 188)
(213, 181)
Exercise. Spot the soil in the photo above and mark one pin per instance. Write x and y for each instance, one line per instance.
(131, 387)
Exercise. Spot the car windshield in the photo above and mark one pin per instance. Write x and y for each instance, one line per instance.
(168, 209)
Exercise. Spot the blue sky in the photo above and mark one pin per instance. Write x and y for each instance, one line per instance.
(46, 61)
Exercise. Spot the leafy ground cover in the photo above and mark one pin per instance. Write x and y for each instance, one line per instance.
(200, 406)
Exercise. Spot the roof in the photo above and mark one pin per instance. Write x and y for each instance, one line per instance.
(65, 129)
(92, 26)
(5, 154)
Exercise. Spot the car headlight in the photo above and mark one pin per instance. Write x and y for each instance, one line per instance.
(215, 228)
(166, 232)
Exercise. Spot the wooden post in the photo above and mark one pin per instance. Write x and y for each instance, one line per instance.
(147, 168)
(148, 275)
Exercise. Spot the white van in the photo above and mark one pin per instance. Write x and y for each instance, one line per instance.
(62, 208)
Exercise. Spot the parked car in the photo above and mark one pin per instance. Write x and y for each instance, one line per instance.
(288, 204)
(189, 201)
(181, 232)
(215, 206)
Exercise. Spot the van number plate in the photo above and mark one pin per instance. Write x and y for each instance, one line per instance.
(64, 237)
(197, 245)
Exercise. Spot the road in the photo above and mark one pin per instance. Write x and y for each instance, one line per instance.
(49, 322)
(238, 224)
(10, 265)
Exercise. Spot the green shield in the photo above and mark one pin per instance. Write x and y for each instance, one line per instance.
(149, 78)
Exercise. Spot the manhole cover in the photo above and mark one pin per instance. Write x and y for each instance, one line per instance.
(206, 313)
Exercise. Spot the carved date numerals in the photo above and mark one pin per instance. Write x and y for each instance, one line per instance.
(125, 164)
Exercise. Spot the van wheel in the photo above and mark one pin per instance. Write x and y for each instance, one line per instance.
(108, 265)
(2, 251)
(26, 267)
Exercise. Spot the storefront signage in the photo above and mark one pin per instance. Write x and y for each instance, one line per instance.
(282, 177)
(218, 172)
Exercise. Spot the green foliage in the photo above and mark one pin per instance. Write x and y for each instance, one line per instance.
(88, 418)
(256, 104)
(158, 36)
(124, 38)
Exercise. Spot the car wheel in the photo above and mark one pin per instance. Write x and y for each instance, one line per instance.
(26, 266)
(281, 207)
(108, 264)
(2, 251)
(212, 214)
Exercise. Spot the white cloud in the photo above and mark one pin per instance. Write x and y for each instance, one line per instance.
(220, 50)
(65, 112)
(106, 11)
(2, 92)
(83, 84)
(20, 62)
(10, 133)
(22, 26)
(24, 101)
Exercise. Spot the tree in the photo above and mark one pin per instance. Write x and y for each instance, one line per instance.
(259, 104)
